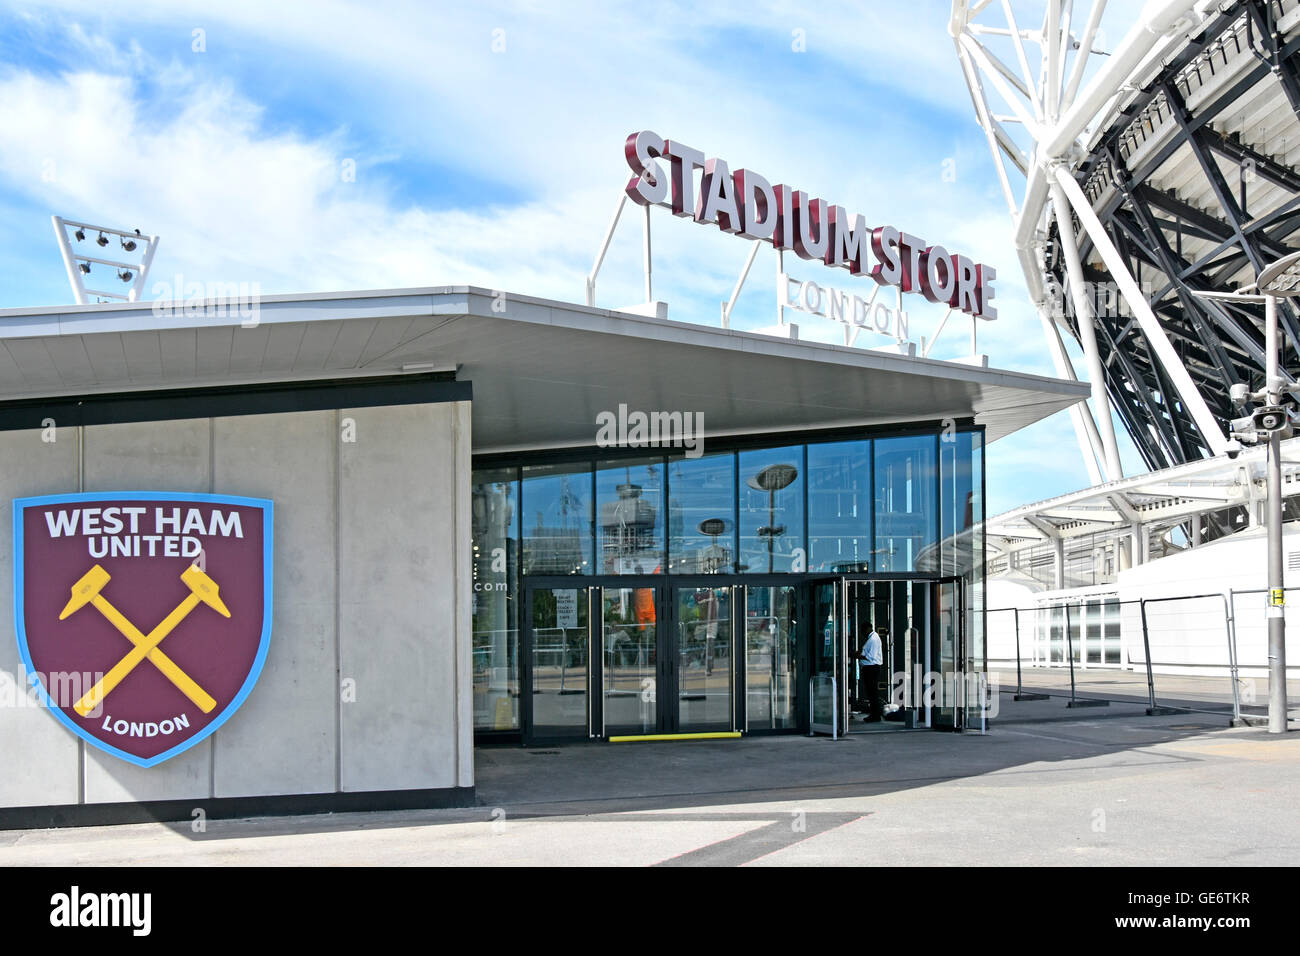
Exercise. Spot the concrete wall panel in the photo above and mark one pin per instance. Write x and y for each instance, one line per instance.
(283, 738)
(41, 758)
(398, 557)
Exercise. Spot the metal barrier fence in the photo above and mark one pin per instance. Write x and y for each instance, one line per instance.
(1193, 653)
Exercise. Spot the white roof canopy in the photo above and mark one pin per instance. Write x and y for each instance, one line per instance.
(541, 370)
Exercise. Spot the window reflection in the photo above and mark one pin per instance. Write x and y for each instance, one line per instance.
(629, 529)
(961, 508)
(771, 510)
(885, 505)
(494, 497)
(701, 515)
(900, 504)
(557, 519)
(704, 659)
(839, 506)
(906, 482)
(559, 662)
(975, 574)
(770, 657)
(630, 638)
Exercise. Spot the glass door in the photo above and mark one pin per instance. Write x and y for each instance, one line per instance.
(974, 659)
(557, 649)
(920, 651)
(705, 669)
(871, 611)
(946, 658)
(630, 660)
(897, 611)
(771, 659)
(828, 686)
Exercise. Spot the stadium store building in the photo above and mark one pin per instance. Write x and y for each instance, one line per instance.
(456, 523)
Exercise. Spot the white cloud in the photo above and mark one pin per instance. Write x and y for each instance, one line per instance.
(234, 202)
(151, 134)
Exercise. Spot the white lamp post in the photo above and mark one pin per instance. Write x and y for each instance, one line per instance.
(1282, 279)
(1279, 280)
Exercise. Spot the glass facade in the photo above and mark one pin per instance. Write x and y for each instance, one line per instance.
(630, 516)
(557, 519)
(770, 656)
(878, 503)
(961, 525)
(839, 506)
(771, 510)
(494, 512)
(704, 658)
(905, 477)
(702, 514)
(630, 642)
(559, 661)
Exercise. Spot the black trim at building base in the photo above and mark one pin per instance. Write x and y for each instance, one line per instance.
(233, 808)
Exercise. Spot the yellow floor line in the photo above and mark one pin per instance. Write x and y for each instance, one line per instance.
(720, 735)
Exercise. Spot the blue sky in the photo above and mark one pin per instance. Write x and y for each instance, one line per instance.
(487, 145)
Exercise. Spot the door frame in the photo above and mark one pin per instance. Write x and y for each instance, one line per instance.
(934, 582)
(662, 671)
(527, 725)
(959, 653)
(799, 651)
(667, 648)
(839, 653)
(666, 679)
(670, 649)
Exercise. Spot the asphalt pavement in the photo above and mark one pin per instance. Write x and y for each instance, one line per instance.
(1047, 786)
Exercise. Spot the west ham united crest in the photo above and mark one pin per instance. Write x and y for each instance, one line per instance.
(143, 617)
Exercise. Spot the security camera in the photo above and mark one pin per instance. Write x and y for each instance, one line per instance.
(1232, 449)
(1239, 392)
(1271, 418)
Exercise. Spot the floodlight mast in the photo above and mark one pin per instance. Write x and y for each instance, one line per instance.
(78, 265)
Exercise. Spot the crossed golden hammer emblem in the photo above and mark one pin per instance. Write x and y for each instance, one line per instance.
(203, 590)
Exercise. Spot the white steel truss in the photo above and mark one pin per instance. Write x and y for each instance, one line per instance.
(1039, 127)
(130, 269)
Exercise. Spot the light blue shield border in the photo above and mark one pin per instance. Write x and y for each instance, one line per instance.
(20, 629)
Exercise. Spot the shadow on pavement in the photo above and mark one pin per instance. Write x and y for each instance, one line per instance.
(592, 779)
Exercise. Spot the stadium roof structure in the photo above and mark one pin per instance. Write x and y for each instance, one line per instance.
(1212, 492)
(1166, 168)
